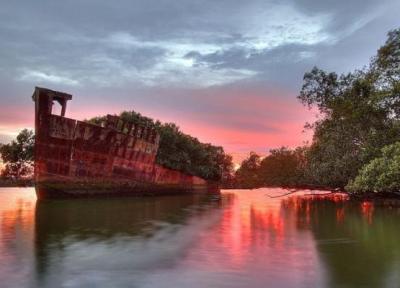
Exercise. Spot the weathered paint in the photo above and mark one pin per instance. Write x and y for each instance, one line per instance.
(78, 158)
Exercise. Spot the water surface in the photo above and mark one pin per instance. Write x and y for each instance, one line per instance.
(241, 239)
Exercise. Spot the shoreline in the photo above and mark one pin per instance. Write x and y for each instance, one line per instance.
(366, 196)
(16, 183)
(361, 197)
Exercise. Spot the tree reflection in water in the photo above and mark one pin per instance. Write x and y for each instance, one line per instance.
(358, 242)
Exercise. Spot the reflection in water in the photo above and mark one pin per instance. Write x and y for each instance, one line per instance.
(358, 243)
(117, 234)
(242, 239)
(17, 207)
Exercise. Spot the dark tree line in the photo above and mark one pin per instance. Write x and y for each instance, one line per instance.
(282, 167)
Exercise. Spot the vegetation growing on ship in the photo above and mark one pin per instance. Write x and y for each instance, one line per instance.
(183, 152)
(177, 151)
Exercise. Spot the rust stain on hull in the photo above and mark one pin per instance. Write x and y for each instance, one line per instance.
(78, 159)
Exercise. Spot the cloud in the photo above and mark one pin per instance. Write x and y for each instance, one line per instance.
(121, 54)
(42, 77)
(175, 43)
(226, 71)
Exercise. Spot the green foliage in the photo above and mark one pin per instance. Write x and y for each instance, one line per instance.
(360, 115)
(18, 155)
(387, 60)
(183, 152)
(382, 174)
(248, 175)
(283, 167)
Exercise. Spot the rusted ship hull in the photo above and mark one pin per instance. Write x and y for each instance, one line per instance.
(78, 159)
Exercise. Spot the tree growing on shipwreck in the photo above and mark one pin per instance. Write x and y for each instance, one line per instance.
(76, 158)
(182, 152)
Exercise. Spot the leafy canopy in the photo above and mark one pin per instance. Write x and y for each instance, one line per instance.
(183, 152)
(18, 155)
(282, 167)
(382, 174)
(360, 112)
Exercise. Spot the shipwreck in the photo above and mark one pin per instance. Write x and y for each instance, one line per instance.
(117, 158)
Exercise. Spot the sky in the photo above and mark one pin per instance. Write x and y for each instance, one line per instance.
(227, 72)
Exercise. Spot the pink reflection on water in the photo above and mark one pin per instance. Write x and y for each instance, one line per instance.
(17, 208)
(17, 215)
(255, 238)
(367, 209)
(250, 240)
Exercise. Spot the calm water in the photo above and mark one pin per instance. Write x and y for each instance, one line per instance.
(241, 239)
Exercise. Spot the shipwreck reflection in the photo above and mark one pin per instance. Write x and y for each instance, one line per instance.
(117, 228)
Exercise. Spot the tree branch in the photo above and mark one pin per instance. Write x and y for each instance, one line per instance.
(311, 194)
